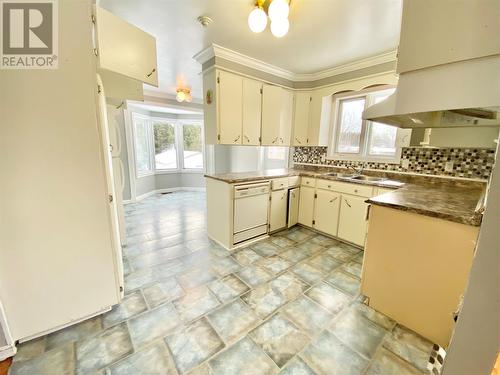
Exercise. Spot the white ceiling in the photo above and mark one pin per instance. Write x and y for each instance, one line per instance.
(323, 34)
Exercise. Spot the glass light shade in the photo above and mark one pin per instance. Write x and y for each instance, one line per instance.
(280, 27)
(278, 9)
(181, 96)
(189, 98)
(257, 20)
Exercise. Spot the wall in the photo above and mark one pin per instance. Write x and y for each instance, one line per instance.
(469, 163)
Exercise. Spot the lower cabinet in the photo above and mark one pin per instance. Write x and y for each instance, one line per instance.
(293, 206)
(352, 221)
(326, 214)
(306, 205)
(277, 215)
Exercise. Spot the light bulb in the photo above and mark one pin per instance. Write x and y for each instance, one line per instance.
(257, 20)
(280, 27)
(181, 96)
(278, 9)
(189, 98)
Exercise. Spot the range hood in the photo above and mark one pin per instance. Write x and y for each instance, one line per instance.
(458, 94)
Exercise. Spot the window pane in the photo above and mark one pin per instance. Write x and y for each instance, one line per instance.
(351, 122)
(382, 139)
(142, 155)
(165, 153)
(193, 151)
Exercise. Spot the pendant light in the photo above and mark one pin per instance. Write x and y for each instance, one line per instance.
(257, 19)
(278, 12)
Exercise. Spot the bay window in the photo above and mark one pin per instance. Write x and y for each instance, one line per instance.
(166, 145)
(356, 139)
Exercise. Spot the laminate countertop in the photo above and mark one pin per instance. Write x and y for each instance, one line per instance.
(449, 199)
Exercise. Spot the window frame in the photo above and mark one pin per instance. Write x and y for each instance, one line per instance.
(179, 144)
(366, 128)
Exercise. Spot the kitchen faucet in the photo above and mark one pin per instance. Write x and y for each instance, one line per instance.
(357, 171)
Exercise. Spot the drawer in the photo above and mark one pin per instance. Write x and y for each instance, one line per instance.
(279, 183)
(382, 190)
(345, 187)
(293, 181)
(308, 181)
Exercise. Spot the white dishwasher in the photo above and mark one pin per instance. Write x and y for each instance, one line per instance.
(250, 211)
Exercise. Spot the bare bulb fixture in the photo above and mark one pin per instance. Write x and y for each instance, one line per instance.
(184, 95)
(277, 11)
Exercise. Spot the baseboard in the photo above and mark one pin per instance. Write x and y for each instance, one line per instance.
(159, 191)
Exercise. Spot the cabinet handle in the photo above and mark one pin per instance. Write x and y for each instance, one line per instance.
(237, 139)
(149, 75)
(298, 140)
(281, 140)
(334, 199)
(275, 139)
(355, 190)
(346, 202)
(248, 139)
(329, 186)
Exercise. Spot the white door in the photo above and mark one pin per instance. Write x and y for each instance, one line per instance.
(301, 118)
(272, 101)
(277, 215)
(230, 100)
(293, 206)
(125, 49)
(352, 222)
(326, 211)
(103, 122)
(252, 111)
(286, 118)
(306, 206)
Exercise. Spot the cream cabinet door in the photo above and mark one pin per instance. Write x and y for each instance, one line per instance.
(286, 118)
(293, 206)
(301, 118)
(272, 100)
(124, 48)
(306, 206)
(230, 99)
(252, 110)
(352, 221)
(326, 212)
(277, 215)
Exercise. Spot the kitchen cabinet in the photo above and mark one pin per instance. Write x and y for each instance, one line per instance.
(230, 111)
(415, 269)
(306, 206)
(277, 114)
(293, 207)
(124, 48)
(277, 214)
(326, 211)
(252, 110)
(301, 118)
(352, 220)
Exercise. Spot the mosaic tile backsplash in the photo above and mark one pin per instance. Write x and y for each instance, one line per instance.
(467, 162)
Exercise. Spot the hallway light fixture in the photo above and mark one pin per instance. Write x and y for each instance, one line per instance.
(278, 11)
(183, 95)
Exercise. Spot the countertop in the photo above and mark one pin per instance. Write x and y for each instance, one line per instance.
(449, 199)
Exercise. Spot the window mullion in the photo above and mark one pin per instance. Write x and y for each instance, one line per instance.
(179, 134)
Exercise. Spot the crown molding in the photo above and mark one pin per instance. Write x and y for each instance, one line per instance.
(225, 53)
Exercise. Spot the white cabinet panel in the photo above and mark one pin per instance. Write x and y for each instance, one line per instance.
(286, 118)
(301, 118)
(277, 219)
(326, 211)
(230, 100)
(306, 206)
(293, 206)
(125, 49)
(352, 222)
(271, 114)
(252, 110)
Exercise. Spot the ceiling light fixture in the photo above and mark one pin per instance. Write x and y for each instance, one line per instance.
(278, 12)
(184, 95)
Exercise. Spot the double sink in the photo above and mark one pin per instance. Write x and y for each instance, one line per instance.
(355, 177)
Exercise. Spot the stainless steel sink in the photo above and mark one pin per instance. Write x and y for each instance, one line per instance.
(339, 175)
(367, 178)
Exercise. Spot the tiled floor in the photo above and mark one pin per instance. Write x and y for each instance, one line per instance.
(288, 304)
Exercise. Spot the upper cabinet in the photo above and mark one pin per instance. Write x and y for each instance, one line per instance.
(125, 49)
(230, 106)
(252, 112)
(308, 129)
(277, 114)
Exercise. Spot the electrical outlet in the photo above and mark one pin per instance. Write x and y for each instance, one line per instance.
(405, 164)
(448, 167)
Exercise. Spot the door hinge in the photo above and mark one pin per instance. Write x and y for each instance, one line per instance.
(261, 91)
(368, 213)
(314, 222)
(218, 79)
(270, 198)
(310, 98)
(121, 288)
(92, 18)
(315, 195)
(99, 89)
(218, 137)
(260, 139)
(110, 198)
(307, 140)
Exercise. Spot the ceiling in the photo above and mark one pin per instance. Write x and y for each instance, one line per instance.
(323, 34)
